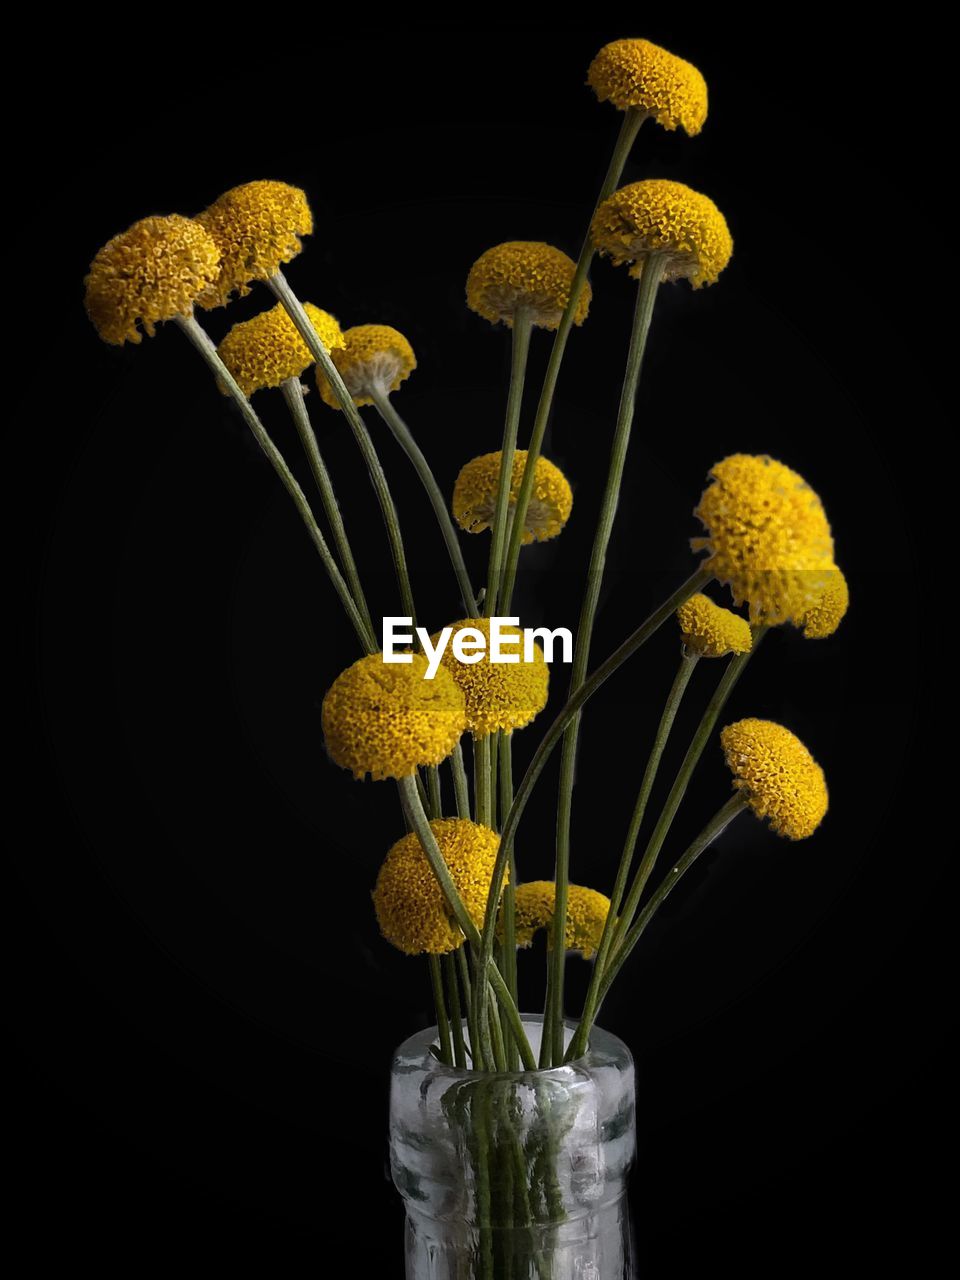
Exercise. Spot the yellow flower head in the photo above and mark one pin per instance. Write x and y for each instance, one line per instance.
(257, 228)
(658, 216)
(267, 350)
(767, 538)
(829, 609)
(372, 355)
(408, 900)
(636, 73)
(711, 631)
(386, 719)
(475, 496)
(153, 271)
(499, 695)
(587, 912)
(777, 775)
(524, 273)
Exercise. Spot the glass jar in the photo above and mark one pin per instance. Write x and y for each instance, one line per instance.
(518, 1175)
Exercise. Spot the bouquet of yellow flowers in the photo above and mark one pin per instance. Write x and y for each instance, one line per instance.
(511, 1132)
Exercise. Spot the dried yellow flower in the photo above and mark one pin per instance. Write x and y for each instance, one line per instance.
(825, 615)
(387, 719)
(658, 216)
(767, 538)
(408, 900)
(153, 271)
(267, 350)
(373, 355)
(475, 495)
(257, 228)
(524, 273)
(587, 912)
(712, 631)
(777, 775)
(499, 695)
(636, 73)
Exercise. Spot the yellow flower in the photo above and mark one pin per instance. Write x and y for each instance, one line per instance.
(499, 695)
(636, 73)
(475, 496)
(408, 900)
(711, 631)
(524, 273)
(828, 611)
(386, 719)
(768, 537)
(587, 912)
(658, 216)
(153, 271)
(778, 776)
(372, 355)
(257, 228)
(267, 350)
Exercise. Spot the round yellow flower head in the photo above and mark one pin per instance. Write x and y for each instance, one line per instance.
(257, 228)
(636, 73)
(524, 273)
(829, 609)
(768, 537)
(659, 216)
(409, 903)
(372, 355)
(499, 695)
(711, 631)
(777, 775)
(267, 350)
(587, 912)
(387, 719)
(153, 271)
(475, 495)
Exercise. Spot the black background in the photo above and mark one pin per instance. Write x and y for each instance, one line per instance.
(204, 1009)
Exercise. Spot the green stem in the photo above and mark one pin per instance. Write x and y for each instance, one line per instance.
(735, 805)
(301, 320)
(650, 278)
(443, 1021)
(632, 121)
(296, 403)
(435, 805)
(456, 1013)
(405, 439)
(688, 661)
(461, 788)
(522, 326)
(463, 968)
(701, 737)
(633, 642)
(414, 811)
(204, 344)
(483, 801)
(509, 909)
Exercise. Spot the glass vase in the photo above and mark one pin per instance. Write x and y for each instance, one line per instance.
(514, 1176)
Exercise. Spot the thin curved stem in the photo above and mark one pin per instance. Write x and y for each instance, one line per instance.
(281, 290)
(296, 403)
(520, 349)
(650, 278)
(509, 909)
(408, 444)
(688, 661)
(204, 344)
(553, 735)
(632, 121)
(734, 806)
(417, 818)
(440, 1004)
(461, 788)
(456, 1013)
(734, 670)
